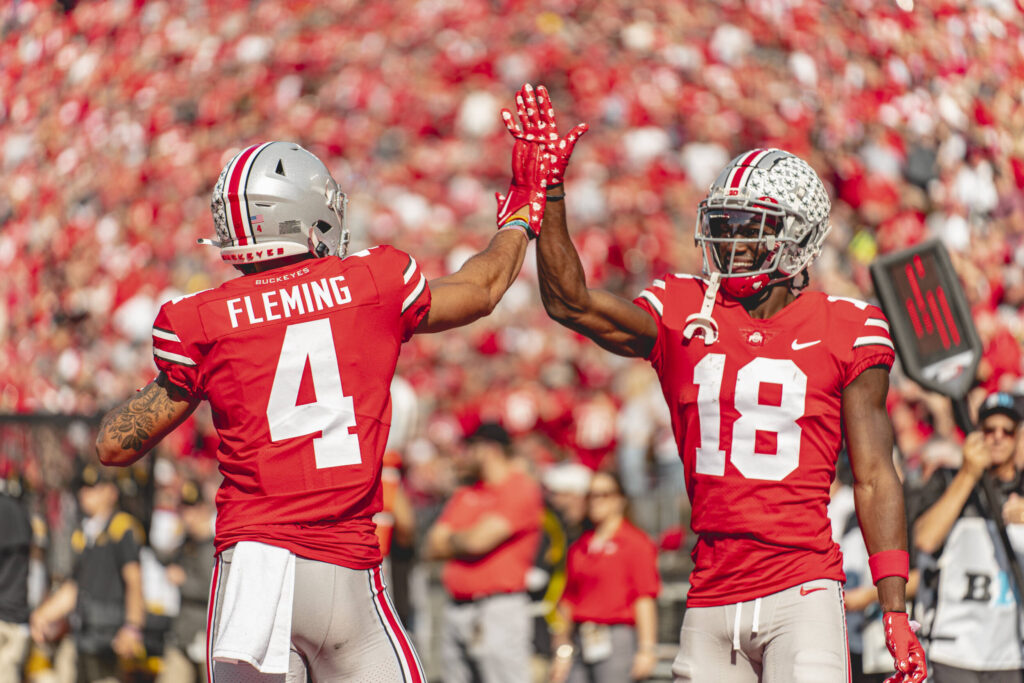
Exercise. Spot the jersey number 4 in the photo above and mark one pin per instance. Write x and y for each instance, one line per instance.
(332, 414)
(754, 416)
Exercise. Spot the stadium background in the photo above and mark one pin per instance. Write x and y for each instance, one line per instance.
(115, 118)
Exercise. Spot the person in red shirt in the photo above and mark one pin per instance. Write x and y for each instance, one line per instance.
(764, 381)
(488, 533)
(295, 358)
(611, 584)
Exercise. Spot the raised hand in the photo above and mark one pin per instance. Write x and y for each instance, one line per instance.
(905, 648)
(523, 205)
(559, 149)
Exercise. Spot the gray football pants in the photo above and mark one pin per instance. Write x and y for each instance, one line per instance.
(487, 640)
(797, 635)
(344, 628)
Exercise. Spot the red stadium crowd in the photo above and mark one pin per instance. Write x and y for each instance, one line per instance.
(115, 118)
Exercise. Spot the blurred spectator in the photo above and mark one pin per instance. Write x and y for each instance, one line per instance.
(105, 591)
(184, 659)
(566, 485)
(611, 585)
(488, 534)
(15, 543)
(970, 611)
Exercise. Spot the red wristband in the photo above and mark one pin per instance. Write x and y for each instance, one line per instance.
(889, 563)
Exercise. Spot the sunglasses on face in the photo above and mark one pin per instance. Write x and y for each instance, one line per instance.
(989, 431)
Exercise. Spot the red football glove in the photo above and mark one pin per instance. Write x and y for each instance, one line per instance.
(559, 149)
(905, 649)
(529, 170)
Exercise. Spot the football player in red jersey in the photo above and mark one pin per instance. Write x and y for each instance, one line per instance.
(295, 358)
(764, 383)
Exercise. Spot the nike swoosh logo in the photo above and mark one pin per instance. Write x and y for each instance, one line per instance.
(796, 346)
(808, 591)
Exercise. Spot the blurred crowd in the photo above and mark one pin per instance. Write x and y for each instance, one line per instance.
(116, 116)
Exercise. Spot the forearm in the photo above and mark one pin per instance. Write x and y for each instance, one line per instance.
(564, 635)
(134, 605)
(131, 429)
(436, 546)
(476, 288)
(494, 269)
(645, 612)
(563, 286)
(60, 603)
(932, 528)
(879, 501)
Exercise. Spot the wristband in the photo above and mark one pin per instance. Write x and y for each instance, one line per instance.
(517, 224)
(889, 563)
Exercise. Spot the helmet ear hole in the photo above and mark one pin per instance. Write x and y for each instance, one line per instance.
(322, 226)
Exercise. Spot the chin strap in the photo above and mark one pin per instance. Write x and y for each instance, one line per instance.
(702, 322)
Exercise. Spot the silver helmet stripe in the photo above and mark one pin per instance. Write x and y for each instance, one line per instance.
(234, 194)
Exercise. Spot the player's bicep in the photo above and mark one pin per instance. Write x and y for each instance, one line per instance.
(454, 302)
(618, 325)
(869, 433)
(128, 431)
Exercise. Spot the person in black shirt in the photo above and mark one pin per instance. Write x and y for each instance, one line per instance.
(104, 596)
(185, 657)
(15, 542)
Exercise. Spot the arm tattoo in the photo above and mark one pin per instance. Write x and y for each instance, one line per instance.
(132, 423)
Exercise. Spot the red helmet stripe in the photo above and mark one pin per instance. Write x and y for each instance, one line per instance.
(740, 173)
(238, 174)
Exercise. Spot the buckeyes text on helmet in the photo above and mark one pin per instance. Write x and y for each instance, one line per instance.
(274, 200)
(780, 195)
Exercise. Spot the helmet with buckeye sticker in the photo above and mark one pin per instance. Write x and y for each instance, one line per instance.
(274, 200)
(774, 205)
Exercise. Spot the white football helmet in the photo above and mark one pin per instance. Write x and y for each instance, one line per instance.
(274, 200)
(774, 203)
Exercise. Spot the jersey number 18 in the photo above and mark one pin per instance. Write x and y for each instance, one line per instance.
(754, 416)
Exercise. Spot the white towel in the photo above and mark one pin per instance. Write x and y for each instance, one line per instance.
(256, 613)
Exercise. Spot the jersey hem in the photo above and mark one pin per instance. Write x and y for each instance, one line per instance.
(734, 598)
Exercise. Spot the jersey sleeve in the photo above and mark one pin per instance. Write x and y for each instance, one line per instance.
(416, 297)
(406, 282)
(871, 343)
(652, 300)
(171, 353)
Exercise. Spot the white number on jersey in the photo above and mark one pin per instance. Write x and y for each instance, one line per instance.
(753, 416)
(331, 414)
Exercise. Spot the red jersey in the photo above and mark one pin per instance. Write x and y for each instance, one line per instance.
(503, 570)
(604, 580)
(757, 420)
(296, 363)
